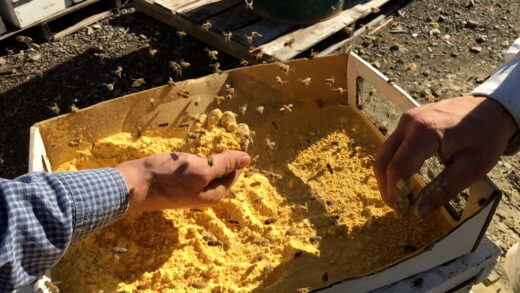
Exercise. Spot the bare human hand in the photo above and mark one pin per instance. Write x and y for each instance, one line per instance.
(468, 133)
(180, 180)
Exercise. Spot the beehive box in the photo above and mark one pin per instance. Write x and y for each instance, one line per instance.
(313, 245)
(24, 13)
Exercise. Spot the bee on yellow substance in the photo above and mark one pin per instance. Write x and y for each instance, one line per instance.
(289, 43)
(286, 108)
(74, 109)
(206, 26)
(227, 36)
(212, 53)
(181, 34)
(306, 81)
(138, 82)
(249, 5)
(330, 81)
(340, 90)
(55, 109)
(152, 52)
(280, 81)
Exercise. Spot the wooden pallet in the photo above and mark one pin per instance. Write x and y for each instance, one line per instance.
(43, 24)
(232, 16)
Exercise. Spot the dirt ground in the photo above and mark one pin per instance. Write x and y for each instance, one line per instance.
(435, 49)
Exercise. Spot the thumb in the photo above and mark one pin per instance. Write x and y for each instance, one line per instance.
(458, 175)
(228, 162)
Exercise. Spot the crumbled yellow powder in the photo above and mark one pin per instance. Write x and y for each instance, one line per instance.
(318, 221)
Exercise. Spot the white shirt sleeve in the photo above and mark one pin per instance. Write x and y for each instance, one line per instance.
(504, 87)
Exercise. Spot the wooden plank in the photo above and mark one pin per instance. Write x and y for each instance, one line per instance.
(172, 5)
(269, 30)
(2, 26)
(232, 19)
(208, 10)
(84, 23)
(51, 18)
(308, 36)
(211, 38)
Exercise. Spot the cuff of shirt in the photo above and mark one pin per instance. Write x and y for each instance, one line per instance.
(99, 198)
(504, 87)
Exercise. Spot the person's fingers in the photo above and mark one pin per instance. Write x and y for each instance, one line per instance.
(419, 144)
(219, 187)
(462, 172)
(228, 162)
(385, 155)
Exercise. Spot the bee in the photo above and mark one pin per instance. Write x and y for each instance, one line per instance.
(244, 63)
(119, 250)
(249, 5)
(24, 39)
(286, 108)
(229, 121)
(206, 26)
(284, 67)
(349, 30)
(257, 53)
(411, 67)
(243, 109)
(249, 39)
(51, 286)
(171, 82)
(375, 10)
(210, 161)
(270, 144)
(227, 36)
(289, 43)
(252, 36)
(313, 54)
(185, 65)
(306, 82)
(181, 34)
(260, 109)
(392, 80)
(199, 285)
(119, 71)
(330, 81)
(280, 81)
(268, 268)
(197, 101)
(216, 67)
(74, 109)
(152, 102)
(214, 117)
(75, 142)
(315, 239)
(164, 124)
(152, 52)
(183, 93)
(271, 221)
(340, 90)
(372, 92)
(138, 82)
(229, 89)
(139, 129)
(110, 86)
(212, 53)
(219, 99)
(55, 109)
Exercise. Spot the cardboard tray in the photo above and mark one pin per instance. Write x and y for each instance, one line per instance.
(256, 84)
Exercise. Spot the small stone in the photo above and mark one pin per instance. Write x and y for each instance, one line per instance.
(394, 47)
(435, 32)
(96, 26)
(415, 35)
(481, 39)
(442, 18)
(35, 57)
(471, 24)
(454, 54)
(376, 64)
(475, 49)
(142, 37)
(505, 43)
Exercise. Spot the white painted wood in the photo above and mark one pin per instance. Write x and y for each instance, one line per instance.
(25, 13)
(474, 266)
(307, 36)
(38, 160)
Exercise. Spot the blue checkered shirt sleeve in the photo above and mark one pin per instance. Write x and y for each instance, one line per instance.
(41, 214)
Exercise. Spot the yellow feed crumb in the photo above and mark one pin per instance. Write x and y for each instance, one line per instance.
(300, 218)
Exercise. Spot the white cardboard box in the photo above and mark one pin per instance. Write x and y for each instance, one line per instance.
(24, 13)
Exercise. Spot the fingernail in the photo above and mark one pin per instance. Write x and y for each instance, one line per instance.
(244, 161)
(424, 209)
